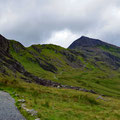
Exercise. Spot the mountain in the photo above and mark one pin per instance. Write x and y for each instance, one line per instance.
(45, 76)
(85, 62)
(98, 51)
(24, 63)
(88, 42)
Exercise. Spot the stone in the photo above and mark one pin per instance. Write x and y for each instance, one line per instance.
(16, 95)
(32, 112)
(13, 93)
(23, 106)
(100, 97)
(37, 119)
(92, 91)
(58, 86)
(22, 100)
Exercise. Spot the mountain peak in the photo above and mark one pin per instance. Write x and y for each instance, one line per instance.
(84, 41)
(1, 36)
(83, 37)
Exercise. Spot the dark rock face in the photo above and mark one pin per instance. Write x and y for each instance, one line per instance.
(17, 47)
(46, 66)
(4, 44)
(6, 59)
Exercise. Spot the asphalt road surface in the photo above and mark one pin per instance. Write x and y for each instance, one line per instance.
(8, 110)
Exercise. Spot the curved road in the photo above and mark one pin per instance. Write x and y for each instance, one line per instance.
(8, 110)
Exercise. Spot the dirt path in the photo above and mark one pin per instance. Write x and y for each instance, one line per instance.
(8, 110)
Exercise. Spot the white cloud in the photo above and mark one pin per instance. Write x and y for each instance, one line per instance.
(63, 38)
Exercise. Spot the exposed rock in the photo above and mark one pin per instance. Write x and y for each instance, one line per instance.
(22, 100)
(23, 106)
(30, 111)
(16, 95)
(92, 91)
(4, 44)
(37, 119)
(17, 46)
(46, 66)
(13, 93)
(100, 97)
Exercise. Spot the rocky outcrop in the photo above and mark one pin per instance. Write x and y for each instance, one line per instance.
(4, 47)
(6, 60)
(47, 63)
(4, 44)
(17, 46)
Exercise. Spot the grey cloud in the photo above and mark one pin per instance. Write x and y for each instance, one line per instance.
(34, 21)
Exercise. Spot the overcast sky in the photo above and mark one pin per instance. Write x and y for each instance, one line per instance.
(60, 21)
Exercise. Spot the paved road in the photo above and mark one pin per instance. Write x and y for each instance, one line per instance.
(8, 110)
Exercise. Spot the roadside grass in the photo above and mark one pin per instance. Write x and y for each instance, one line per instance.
(60, 104)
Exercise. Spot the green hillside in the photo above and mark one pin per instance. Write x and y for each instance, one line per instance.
(45, 75)
(60, 104)
(68, 67)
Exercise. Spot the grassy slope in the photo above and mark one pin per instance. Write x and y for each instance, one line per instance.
(60, 104)
(64, 104)
(105, 81)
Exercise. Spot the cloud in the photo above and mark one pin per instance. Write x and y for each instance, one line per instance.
(63, 38)
(60, 22)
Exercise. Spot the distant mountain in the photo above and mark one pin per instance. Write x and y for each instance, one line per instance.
(98, 51)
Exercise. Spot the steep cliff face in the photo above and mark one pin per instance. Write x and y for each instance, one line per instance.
(7, 62)
(4, 45)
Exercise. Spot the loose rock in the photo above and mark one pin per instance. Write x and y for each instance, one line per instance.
(22, 100)
(16, 95)
(100, 97)
(37, 119)
(32, 112)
